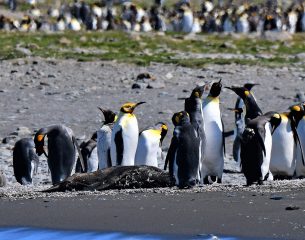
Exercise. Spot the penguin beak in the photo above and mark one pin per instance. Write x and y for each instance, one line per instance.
(137, 104)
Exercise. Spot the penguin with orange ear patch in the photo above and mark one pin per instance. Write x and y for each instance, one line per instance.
(124, 137)
(183, 153)
(61, 150)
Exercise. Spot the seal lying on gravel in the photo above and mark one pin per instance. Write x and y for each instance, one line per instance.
(119, 177)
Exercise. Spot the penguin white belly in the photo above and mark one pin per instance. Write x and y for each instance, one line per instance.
(214, 155)
(187, 22)
(268, 146)
(282, 154)
(92, 162)
(147, 150)
(128, 125)
(103, 146)
(300, 168)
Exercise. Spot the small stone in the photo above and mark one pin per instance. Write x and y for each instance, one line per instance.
(276, 198)
(142, 76)
(51, 76)
(169, 75)
(156, 85)
(291, 208)
(64, 41)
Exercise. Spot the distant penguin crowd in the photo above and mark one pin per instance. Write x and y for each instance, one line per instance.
(209, 17)
(267, 146)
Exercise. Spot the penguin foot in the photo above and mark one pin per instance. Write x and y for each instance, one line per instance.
(219, 180)
(260, 182)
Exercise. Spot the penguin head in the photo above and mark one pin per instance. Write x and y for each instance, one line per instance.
(216, 89)
(39, 141)
(163, 127)
(296, 113)
(180, 118)
(275, 120)
(129, 107)
(198, 91)
(249, 86)
(240, 91)
(109, 116)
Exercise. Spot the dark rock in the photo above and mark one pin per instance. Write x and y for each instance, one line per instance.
(291, 208)
(135, 86)
(142, 76)
(8, 139)
(276, 198)
(51, 76)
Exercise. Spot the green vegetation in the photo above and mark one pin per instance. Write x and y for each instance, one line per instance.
(143, 49)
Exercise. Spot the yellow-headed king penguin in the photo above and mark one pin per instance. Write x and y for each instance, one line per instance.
(193, 106)
(300, 168)
(149, 150)
(89, 154)
(104, 138)
(124, 137)
(256, 145)
(215, 146)
(285, 140)
(25, 161)
(61, 150)
(183, 153)
(239, 122)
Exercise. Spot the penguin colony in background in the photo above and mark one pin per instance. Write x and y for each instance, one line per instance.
(267, 146)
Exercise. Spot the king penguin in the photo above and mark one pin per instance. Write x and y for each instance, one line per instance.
(124, 137)
(183, 153)
(25, 161)
(238, 131)
(104, 138)
(88, 150)
(256, 146)
(215, 146)
(240, 122)
(285, 141)
(149, 150)
(193, 106)
(300, 168)
(61, 150)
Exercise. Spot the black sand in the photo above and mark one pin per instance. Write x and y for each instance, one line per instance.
(242, 214)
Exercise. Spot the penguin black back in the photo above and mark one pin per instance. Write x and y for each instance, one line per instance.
(253, 149)
(24, 159)
(184, 152)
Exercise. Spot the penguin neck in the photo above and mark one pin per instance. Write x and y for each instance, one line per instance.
(123, 114)
(252, 109)
(210, 98)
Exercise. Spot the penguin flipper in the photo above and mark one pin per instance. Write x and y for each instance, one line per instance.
(171, 155)
(79, 153)
(261, 135)
(35, 159)
(223, 138)
(118, 139)
(297, 138)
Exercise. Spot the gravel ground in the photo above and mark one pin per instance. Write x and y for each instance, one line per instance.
(38, 92)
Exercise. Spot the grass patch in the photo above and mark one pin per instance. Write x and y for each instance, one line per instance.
(142, 49)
